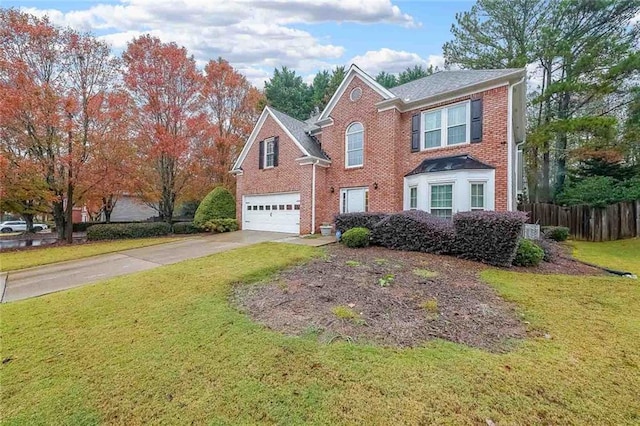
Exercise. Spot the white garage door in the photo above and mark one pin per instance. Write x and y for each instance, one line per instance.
(272, 212)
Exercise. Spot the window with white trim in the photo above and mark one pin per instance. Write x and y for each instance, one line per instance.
(441, 200)
(477, 196)
(446, 126)
(269, 153)
(354, 145)
(413, 197)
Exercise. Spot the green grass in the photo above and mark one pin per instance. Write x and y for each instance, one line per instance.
(622, 255)
(425, 273)
(21, 259)
(165, 346)
(344, 312)
(352, 263)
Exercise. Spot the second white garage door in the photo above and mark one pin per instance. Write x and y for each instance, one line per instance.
(272, 212)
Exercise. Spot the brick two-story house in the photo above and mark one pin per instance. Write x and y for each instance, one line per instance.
(443, 144)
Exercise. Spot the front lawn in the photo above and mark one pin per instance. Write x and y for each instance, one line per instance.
(623, 255)
(21, 259)
(166, 346)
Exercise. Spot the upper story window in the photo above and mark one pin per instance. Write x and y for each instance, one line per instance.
(355, 145)
(269, 153)
(446, 126)
(355, 94)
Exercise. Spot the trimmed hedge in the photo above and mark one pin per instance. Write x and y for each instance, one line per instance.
(220, 225)
(414, 230)
(356, 237)
(346, 221)
(185, 228)
(488, 236)
(552, 251)
(528, 254)
(218, 204)
(116, 231)
(556, 233)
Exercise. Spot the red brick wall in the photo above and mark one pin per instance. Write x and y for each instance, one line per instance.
(492, 150)
(288, 176)
(379, 153)
(387, 156)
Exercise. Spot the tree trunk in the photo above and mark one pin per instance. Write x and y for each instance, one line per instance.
(29, 219)
(68, 231)
(59, 219)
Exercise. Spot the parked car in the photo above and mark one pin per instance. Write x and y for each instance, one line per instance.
(20, 225)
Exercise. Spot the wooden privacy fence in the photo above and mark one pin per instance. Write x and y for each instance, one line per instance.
(613, 222)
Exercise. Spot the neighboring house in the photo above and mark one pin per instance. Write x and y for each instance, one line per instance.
(130, 208)
(445, 143)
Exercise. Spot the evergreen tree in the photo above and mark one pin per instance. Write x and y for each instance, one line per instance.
(387, 80)
(415, 73)
(287, 92)
(319, 89)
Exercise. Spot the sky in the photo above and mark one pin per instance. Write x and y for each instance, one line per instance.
(256, 36)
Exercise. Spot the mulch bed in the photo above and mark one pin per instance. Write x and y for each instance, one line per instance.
(459, 307)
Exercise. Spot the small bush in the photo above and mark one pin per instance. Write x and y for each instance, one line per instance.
(551, 249)
(220, 225)
(185, 228)
(528, 254)
(346, 221)
(488, 236)
(218, 204)
(83, 226)
(414, 230)
(356, 237)
(117, 231)
(556, 233)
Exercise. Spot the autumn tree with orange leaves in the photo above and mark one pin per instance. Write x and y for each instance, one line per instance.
(53, 86)
(232, 106)
(170, 122)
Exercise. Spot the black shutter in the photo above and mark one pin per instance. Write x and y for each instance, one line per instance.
(476, 120)
(415, 132)
(261, 156)
(276, 145)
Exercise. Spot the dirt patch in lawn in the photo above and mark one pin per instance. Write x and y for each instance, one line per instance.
(386, 297)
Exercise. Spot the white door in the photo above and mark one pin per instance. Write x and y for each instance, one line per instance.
(354, 200)
(272, 212)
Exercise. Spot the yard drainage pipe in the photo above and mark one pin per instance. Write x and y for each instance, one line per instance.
(611, 271)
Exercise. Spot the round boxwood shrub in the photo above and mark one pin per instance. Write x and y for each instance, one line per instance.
(218, 204)
(528, 254)
(185, 228)
(356, 237)
(556, 233)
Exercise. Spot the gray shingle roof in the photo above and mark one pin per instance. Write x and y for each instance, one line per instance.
(446, 81)
(299, 131)
(442, 164)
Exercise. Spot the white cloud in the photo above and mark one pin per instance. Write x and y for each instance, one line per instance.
(250, 34)
(394, 61)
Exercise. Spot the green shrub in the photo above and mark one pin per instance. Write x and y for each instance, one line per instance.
(556, 233)
(218, 204)
(118, 231)
(528, 254)
(185, 228)
(220, 225)
(356, 237)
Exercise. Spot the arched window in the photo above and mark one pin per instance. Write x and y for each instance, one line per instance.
(355, 145)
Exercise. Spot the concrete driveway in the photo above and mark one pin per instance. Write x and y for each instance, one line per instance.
(61, 276)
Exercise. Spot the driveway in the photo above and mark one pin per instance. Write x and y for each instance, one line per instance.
(61, 276)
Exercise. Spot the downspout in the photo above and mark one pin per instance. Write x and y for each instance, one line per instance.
(510, 145)
(313, 197)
